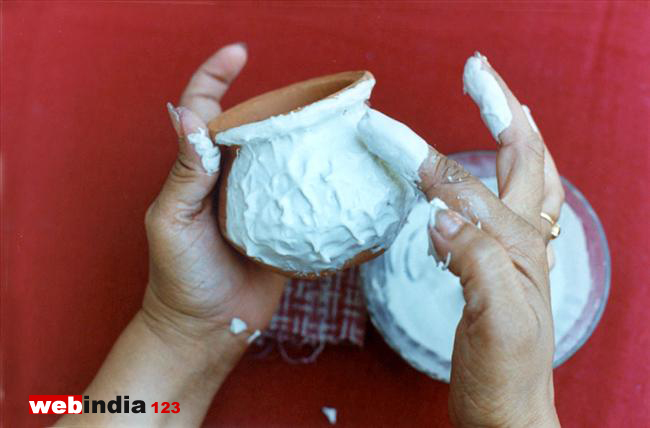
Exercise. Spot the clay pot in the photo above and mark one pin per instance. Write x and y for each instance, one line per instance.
(289, 105)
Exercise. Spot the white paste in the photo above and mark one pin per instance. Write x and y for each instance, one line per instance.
(487, 94)
(395, 143)
(529, 116)
(444, 265)
(330, 414)
(209, 153)
(427, 303)
(237, 326)
(304, 193)
(254, 336)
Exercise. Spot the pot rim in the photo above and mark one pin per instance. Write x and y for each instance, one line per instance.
(286, 100)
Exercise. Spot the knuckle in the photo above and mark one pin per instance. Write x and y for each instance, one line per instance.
(182, 170)
(444, 170)
(482, 250)
(152, 218)
(534, 142)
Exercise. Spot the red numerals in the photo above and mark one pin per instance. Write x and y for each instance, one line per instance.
(165, 407)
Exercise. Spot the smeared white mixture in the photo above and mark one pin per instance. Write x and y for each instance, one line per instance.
(394, 143)
(427, 302)
(209, 153)
(435, 205)
(237, 326)
(253, 337)
(305, 194)
(487, 94)
(330, 414)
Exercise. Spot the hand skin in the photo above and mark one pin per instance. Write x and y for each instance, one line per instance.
(502, 360)
(178, 347)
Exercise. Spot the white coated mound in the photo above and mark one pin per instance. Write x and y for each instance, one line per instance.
(304, 193)
(487, 94)
(426, 302)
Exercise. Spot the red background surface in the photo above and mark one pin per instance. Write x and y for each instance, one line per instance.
(86, 144)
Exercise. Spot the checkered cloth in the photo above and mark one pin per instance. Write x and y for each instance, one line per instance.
(314, 313)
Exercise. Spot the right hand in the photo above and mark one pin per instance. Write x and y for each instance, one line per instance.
(503, 351)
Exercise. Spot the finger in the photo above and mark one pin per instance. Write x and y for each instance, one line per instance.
(437, 176)
(520, 160)
(480, 261)
(195, 170)
(434, 174)
(550, 256)
(211, 81)
(394, 143)
(553, 189)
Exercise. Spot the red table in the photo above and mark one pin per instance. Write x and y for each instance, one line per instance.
(86, 144)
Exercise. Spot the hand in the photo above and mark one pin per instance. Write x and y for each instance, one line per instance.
(178, 348)
(503, 351)
(197, 282)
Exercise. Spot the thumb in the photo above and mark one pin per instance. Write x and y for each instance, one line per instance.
(479, 260)
(196, 168)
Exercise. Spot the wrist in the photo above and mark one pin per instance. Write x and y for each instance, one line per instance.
(543, 415)
(534, 408)
(207, 345)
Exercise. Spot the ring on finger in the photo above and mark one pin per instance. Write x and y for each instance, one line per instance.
(555, 227)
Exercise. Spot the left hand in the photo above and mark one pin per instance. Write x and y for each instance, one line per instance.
(197, 282)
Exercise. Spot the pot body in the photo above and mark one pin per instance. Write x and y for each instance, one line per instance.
(303, 195)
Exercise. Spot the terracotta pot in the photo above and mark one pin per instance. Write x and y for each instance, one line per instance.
(295, 110)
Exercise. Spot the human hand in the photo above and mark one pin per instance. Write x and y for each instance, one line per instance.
(503, 351)
(197, 282)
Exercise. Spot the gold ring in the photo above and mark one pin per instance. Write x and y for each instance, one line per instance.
(555, 228)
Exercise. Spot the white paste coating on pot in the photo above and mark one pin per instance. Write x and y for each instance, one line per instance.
(395, 143)
(487, 94)
(427, 303)
(304, 193)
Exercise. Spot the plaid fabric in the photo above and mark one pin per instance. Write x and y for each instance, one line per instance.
(330, 310)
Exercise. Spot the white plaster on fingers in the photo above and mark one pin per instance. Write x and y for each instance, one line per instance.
(253, 337)
(237, 326)
(488, 95)
(393, 142)
(208, 152)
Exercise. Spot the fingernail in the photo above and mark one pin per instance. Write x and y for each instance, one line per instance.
(435, 205)
(448, 223)
(480, 56)
(243, 45)
(173, 115)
